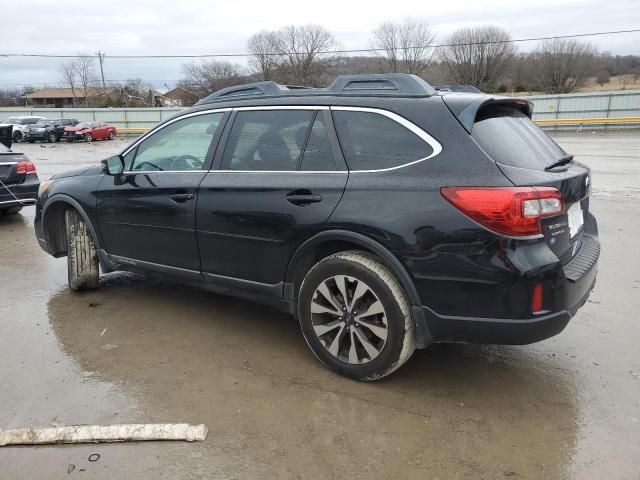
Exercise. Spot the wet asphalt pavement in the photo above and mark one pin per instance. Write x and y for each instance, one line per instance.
(138, 350)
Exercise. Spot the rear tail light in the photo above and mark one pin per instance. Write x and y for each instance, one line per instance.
(25, 167)
(514, 211)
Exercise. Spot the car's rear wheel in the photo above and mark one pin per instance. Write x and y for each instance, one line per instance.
(51, 138)
(88, 137)
(82, 259)
(355, 316)
(111, 135)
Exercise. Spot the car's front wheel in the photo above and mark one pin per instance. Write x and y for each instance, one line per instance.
(82, 259)
(52, 138)
(355, 316)
(88, 137)
(17, 136)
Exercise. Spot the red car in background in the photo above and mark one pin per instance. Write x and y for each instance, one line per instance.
(89, 131)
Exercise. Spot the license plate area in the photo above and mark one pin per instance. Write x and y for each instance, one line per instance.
(575, 218)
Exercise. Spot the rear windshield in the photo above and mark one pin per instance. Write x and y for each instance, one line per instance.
(510, 138)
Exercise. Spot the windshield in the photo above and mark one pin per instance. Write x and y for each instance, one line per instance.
(84, 125)
(44, 123)
(13, 120)
(510, 138)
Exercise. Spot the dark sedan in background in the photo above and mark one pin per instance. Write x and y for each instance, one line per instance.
(19, 182)
(49, 130)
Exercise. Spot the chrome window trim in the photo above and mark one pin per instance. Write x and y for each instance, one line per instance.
(282, 107)
(432, 142)
(146, 172)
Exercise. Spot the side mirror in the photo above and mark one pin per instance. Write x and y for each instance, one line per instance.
(113, 165)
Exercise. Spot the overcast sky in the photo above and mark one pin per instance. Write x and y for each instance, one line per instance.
(199, 26)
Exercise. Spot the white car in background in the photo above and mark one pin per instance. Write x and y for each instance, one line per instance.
(20, 125)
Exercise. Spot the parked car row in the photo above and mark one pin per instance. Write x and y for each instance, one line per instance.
(31, 129)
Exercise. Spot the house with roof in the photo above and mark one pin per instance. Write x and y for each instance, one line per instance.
(179, 97)
(66, 97)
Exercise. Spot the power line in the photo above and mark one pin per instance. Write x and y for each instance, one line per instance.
(359, 50)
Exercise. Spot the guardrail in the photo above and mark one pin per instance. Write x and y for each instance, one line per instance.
(579, 122)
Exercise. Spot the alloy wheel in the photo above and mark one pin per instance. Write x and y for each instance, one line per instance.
(349, 319)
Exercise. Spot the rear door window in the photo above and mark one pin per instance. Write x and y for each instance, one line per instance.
(267, 140)
(510, 138)
(372, 141)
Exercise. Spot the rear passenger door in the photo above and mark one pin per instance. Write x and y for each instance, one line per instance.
(280, 176)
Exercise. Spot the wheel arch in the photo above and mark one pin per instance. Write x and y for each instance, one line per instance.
(329, 242)
(53, 223)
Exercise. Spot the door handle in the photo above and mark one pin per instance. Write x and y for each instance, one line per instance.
(303, 197)
(181, 197)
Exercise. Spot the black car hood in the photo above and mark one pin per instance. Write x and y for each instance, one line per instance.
(92, 170)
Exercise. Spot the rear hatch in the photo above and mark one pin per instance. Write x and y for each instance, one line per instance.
(525, 154)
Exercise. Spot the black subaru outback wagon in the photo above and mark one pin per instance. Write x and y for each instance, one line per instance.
(384, 215)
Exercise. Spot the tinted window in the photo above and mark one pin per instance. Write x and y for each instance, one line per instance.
(511, 138)
(372, 141)
(317, 153)
(267, 140)
(180, 146)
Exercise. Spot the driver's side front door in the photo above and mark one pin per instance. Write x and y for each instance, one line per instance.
(147, 214)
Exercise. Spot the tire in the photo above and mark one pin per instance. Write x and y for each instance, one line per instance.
(17, 136)
(111, 135)
(10, 211)
(52, 138)
(88, 137)
(82, 259)
(375, 289)
(29, 140)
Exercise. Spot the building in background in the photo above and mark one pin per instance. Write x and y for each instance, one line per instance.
(180, 97)
(66, 97)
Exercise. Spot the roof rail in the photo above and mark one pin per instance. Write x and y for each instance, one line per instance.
(246, 90)
(393, 84)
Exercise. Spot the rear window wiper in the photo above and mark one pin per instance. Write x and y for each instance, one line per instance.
(558, 163)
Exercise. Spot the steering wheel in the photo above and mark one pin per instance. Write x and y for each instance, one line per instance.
(190, 161)
(140, 165)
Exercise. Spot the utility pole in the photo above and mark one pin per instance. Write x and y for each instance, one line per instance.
(100, 60)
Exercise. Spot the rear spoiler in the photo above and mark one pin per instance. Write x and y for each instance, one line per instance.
(465, 106)
(6, 135)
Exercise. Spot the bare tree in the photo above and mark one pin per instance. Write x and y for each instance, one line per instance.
(86, 74)
(300, 47)
(69, 72)
(264, 60)
(563, 65)
(478, 56)
(207, 77)
(603, 77)
(406, 45)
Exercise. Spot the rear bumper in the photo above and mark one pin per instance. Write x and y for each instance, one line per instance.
(572, 291)
(26, 193)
